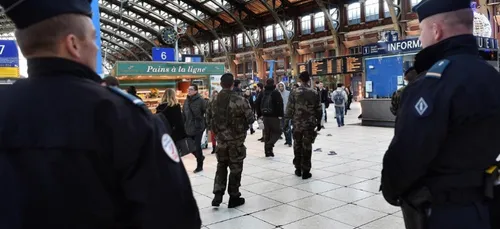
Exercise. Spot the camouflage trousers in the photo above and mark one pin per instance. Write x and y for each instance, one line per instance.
(302, 148)
(229, 154)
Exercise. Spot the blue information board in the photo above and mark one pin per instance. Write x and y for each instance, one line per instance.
(163, 54)
(97, 26)
(9, 56)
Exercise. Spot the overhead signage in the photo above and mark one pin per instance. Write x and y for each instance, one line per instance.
(336, 65)
(163, 54)
(353, 64)
(487, 43)
(383, 48)
(302, 68)
(167, 68)
(9, 56)
(97, 25)
(414, 44)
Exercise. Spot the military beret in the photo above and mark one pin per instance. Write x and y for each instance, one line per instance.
(29, 12)
(427, 8)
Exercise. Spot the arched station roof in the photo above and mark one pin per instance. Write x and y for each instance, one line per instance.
(130, 28)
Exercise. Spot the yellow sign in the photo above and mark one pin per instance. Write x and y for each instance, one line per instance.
(9, 72)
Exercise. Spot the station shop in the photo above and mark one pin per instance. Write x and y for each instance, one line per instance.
(386, 62)
(151, 79)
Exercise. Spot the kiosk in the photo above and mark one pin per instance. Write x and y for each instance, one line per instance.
(385, 64)
(151, 79)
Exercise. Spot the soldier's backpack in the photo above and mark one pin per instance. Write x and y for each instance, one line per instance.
(338, 98)
(267, 103)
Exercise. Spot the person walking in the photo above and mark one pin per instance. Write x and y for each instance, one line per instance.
(270, 107)
(229, 116)
(171, 109)
(250, 99)
(339, 97)
(96, 158)
(194, 111)
(285, 94)
(304, 108)
(447, 128)
(213, 138)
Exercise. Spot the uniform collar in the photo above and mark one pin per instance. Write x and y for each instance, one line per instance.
(462, 44)
(55, 66)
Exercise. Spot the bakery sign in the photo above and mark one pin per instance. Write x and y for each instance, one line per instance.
(127, 68)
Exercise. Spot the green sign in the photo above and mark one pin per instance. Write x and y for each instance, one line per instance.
(167, 69)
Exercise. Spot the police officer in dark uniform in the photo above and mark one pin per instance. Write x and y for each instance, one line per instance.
(448, 131)
(74, 154)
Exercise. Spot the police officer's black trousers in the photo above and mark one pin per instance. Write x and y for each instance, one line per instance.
(460, 216)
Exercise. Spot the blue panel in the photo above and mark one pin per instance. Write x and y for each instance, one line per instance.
(384, 72)
(97, 26)
(9, 56)
(163, 54)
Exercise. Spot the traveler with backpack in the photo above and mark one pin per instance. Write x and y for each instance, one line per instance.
(339, 98)
(270, 107)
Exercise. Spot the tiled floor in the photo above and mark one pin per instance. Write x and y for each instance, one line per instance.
(342, 194)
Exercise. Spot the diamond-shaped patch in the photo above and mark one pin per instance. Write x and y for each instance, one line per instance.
(421, 106)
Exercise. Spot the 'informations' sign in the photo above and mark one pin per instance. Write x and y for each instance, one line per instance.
(163, 54)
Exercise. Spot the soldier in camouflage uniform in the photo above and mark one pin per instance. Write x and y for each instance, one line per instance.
(410, 76)
(229, 117)
(304, 109)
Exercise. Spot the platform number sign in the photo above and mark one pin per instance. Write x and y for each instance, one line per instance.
(9, 56)
(163, 54)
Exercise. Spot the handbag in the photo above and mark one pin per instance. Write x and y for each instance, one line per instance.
(185, 146)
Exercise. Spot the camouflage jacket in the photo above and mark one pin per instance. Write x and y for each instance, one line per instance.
(229, 116)
(396, 101)
(304, 108)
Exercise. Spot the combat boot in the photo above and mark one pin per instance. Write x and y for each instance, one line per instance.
(235, 202)
(306, 175)
(217, 200)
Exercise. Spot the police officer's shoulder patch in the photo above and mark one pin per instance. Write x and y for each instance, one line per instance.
(437, 69)
(422, 106)
(128, 96)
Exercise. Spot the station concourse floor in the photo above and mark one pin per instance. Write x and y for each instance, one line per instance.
(343, 192)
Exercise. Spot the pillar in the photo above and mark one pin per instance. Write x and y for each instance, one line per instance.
(97, 25)
(230, 57)
(261, 65)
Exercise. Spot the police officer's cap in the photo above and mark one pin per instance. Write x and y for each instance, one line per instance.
(227, 79)
(427, 8)
(29, 12)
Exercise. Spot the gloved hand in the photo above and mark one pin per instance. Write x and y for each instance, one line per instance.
(318, 128)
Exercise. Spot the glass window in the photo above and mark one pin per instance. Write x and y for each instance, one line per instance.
(354, 13)
(386, 8)
(240, 68)
(239, 40)
(371, 10)
(279, 32)
(227, 42)
(319, 22)
(248, 66)
(215, 46)
(196, 50)
(269, 33)
(319, 55)
(334, 13)
(289, 25)
(254, 34)
(305, 24)
(414, 2)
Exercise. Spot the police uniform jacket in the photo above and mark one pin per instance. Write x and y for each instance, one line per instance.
(448, 130)
(73, 154)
